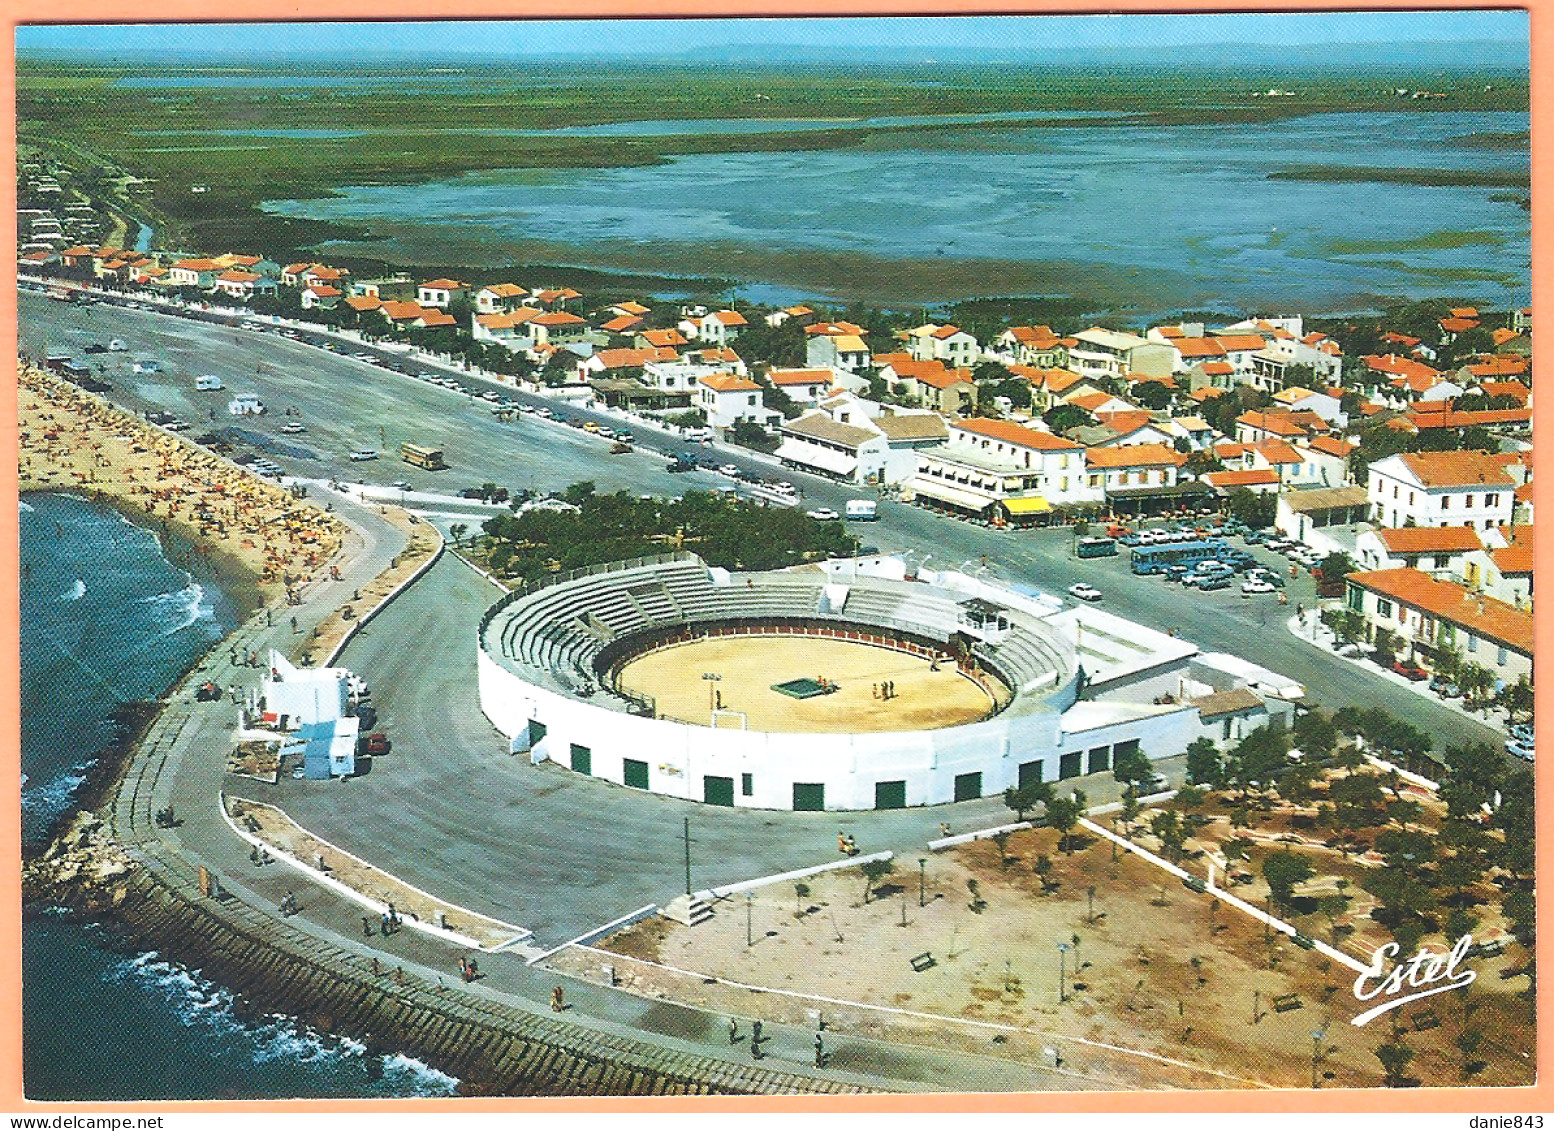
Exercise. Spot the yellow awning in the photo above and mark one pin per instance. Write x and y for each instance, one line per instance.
(1029, 504)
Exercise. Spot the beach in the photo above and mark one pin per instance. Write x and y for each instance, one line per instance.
(265, 543)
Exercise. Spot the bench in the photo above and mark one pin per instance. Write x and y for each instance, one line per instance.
(921, 962)
(1286, 1002)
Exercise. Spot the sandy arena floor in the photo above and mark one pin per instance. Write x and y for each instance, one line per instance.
(925, 699)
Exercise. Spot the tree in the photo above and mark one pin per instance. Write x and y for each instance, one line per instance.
(1169, 829)
(1025, 797)
(1283, 870)
(1516, 699)
(1151, 395)
(1204, 766)
(1395, 1057)
(458, 530)
(1132, 767)
(1315, 734)
(1062, 417)
(1063, 814)
(1001, 839)
(800, 894)
(874, 871)
(1043, 869)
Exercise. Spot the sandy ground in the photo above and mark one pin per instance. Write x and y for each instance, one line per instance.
(924, 699)
(275, 828)
(1158, 971)
(72, 440)
(260, 760)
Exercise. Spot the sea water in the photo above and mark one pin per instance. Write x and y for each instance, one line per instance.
(107, 616)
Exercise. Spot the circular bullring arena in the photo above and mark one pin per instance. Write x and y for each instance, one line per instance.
(821, 687)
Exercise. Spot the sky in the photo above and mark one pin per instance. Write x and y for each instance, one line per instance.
(1042, 34)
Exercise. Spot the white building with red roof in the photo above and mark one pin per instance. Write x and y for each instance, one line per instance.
(1442, 489)
(729, 399)
(949, 344)
(1000, 469)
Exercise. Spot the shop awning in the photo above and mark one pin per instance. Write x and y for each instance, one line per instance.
(1028, 504)
(813, 455)
(948, 493)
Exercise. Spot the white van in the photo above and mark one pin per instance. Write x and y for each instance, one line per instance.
(246, 404)
(209, 383)
(862, 510)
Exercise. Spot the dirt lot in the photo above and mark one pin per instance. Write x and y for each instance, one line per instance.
(748, 666)
(1158, 970)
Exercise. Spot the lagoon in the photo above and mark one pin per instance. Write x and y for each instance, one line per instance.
(1169, 215)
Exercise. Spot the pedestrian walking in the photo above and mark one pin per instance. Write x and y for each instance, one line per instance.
(366, 927)
(755, 1032)
(376, 970)
(383, 924)
(944, 828)
(733, 1031)
(269, 618)
(820, 1051)
(557, 1000)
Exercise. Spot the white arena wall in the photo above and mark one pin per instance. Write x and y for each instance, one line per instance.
(680, 756)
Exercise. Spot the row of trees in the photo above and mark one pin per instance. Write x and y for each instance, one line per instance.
(732, 533)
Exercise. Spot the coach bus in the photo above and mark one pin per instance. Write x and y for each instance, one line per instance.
(429, 458)
(1153, 559)
(1097, 548)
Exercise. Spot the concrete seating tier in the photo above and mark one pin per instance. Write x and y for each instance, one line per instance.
(554, 636)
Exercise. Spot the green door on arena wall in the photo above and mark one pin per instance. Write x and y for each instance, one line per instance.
(968, 787)
(582, 759)
(717, 791)
(890, 795)
(635, 773)
(809, 796)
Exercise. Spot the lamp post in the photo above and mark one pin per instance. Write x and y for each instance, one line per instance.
(712, 679)
(922, 889)
(1062, 972)
(1316, 1055)
(749, 935)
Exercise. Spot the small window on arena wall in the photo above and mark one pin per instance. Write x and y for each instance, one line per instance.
(747, 784)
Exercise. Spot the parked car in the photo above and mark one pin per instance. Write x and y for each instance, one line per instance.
(825, 514)
(680, 466)
(1519, 749)
(730, 470)
(377, 743)
(1409, 670)
(1444, 687)
(1084, 592)
(292, 427)
(360, 455)
(1215, 581)
(1255, 585)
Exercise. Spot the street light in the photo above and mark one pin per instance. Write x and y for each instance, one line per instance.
(749, 902)
(1316, 1055)
(922, 862)
(1062, 972)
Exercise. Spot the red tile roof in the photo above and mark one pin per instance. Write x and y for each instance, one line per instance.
(1016, 434)
(622, 324)
(670, 337)
(1430, 539)
(1193, 348)
(1274, 423)
(1134, 455)
(800, 376)
(1277, 451)
(1457, 469)
(447, 285)
(729, 383)
(1255, 477)
(1483, 616)
(1331, 445)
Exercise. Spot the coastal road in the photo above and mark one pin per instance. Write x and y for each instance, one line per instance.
(345, 403)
